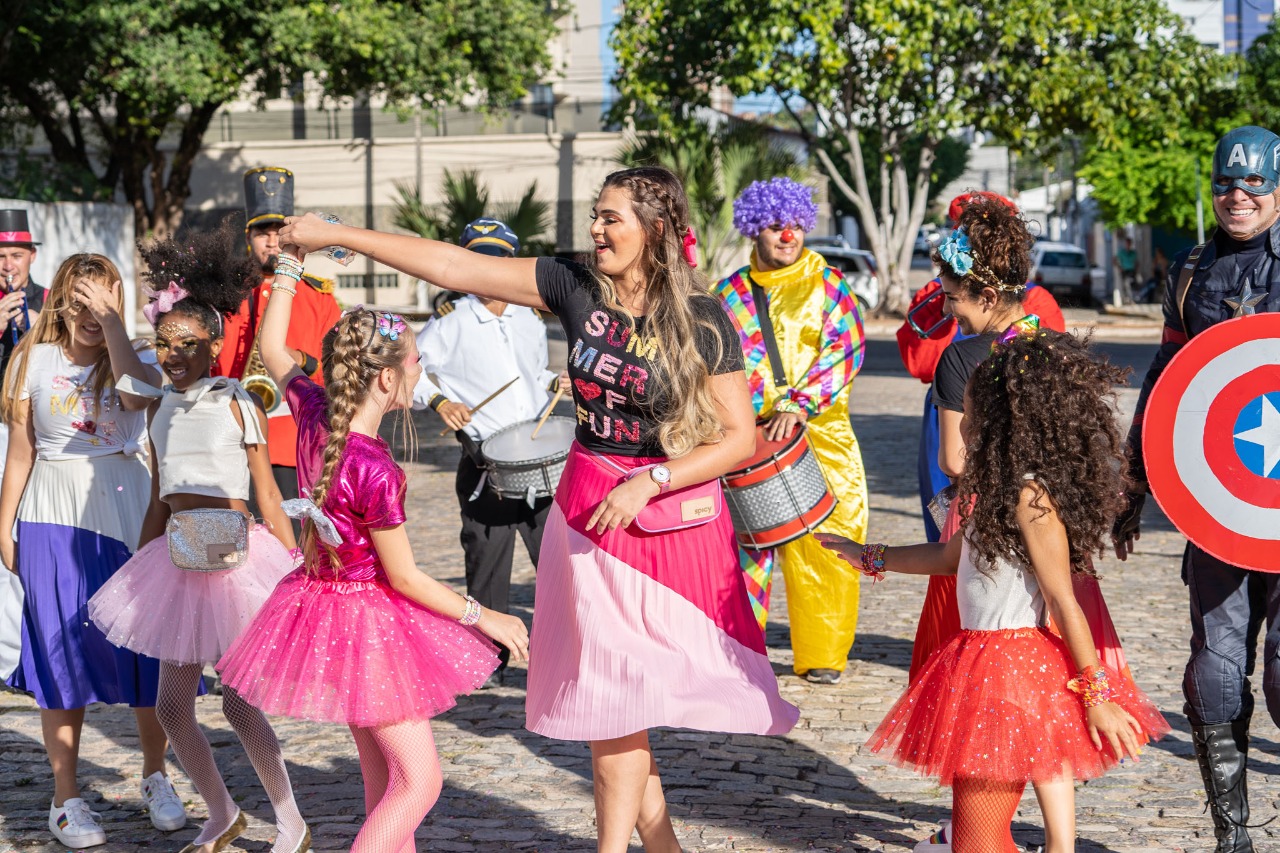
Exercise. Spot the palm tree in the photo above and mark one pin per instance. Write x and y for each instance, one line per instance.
(466, 198)
(715, 166)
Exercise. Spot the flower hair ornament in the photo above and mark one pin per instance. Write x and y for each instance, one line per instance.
(957, 252)
(304, 509)
(162, 301)
(391, 325)
(691, 247)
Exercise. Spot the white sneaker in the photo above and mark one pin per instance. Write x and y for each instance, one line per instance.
(74, 825)
(163, 806)
(939, 842)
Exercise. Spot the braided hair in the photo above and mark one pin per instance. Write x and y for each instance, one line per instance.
(211, 266)
(1001, 242)
(681, 401)
(352, 356)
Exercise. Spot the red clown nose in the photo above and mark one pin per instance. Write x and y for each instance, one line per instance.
(788, 236)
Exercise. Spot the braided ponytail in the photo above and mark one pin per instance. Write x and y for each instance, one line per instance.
(352, 356)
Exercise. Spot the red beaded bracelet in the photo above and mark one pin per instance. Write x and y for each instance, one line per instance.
(873, 561)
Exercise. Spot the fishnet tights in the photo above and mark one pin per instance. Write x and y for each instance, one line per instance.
(402, 781)
(981, 812)
(175, 706)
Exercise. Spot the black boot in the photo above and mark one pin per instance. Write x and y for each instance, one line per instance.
(1223, 751)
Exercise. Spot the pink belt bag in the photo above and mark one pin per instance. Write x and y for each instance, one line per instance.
(676, 510)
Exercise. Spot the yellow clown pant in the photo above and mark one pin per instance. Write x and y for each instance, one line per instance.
(822, 589)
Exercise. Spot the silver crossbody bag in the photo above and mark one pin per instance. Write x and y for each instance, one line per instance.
(208, 540)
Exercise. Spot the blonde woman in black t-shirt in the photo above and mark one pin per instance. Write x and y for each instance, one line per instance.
(641, 616)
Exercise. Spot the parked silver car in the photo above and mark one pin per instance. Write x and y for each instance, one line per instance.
(1064, 270)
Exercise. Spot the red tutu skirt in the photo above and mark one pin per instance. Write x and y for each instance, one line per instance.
(354, 652)
(995, 705)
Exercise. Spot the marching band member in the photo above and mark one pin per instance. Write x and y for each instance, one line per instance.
(472, 351)
(802, 334)
(268, 199)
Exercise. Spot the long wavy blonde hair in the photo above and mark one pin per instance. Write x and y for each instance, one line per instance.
(682, 403)
(50, 327)
(352, 355)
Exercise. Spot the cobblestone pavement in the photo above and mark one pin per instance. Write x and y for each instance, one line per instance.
(817, 788)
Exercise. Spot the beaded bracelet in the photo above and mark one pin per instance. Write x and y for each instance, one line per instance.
(1093, 687)
(873, 561)
(296, 554)
(471, 615)
(288, 266)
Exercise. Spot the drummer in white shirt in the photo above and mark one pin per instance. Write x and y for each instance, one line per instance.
(467, 354)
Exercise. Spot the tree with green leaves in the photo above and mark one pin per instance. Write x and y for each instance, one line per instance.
(880, 75)
(466, 198)
(715, 166)
(125, 90)
(1153, 181)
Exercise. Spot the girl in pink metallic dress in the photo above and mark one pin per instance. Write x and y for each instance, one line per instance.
(359, 635)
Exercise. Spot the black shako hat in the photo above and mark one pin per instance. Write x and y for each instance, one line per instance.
(268, 195)
(14, 230)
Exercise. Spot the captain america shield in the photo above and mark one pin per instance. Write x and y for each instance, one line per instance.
(1211, 438)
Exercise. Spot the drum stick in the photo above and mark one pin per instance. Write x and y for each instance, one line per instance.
(478, 406)
(547, 413)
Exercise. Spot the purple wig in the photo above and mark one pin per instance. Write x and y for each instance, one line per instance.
(780, 201)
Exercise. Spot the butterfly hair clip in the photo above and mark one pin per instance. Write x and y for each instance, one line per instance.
(391, 325)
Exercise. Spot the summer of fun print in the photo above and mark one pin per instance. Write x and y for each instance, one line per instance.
(608, 380)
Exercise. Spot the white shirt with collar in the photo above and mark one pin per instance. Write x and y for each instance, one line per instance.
(470, 352)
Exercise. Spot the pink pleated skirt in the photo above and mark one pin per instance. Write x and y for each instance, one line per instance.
(152, 607)
(634, 630)
(354, 652)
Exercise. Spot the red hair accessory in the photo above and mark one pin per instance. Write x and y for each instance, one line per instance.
(691, 247)
(960, 202)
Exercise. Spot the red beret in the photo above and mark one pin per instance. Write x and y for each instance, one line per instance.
(961, 201)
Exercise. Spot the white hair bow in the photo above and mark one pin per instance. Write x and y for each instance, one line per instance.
(305, 508)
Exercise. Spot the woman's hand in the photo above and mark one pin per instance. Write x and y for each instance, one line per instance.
(1118, 725)
(7, 552)
(507, 630)
(304, 234)
(621, 506)
(98, 299)
(456, 416)
(845, 548)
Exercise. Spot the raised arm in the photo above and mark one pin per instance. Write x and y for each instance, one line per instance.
(101, 303)
(443, 264)
(276, 355)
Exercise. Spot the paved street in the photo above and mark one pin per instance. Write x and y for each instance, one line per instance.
(817, 788)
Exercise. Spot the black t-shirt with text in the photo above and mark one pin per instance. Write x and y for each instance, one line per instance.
(609, 362)
(956, 365)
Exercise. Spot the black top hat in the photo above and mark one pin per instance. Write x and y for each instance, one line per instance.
(14, 230)
(268, 195)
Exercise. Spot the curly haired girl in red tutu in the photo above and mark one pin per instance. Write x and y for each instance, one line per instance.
(358, 635)
(1006, 701)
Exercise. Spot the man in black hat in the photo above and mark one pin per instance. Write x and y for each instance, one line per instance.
(268, 194)
(22, 298)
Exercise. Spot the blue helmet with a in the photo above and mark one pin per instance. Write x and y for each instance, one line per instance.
(1247, 158)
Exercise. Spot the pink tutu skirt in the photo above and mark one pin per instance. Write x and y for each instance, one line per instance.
(152, 607)
(994, 705)
(354, 652)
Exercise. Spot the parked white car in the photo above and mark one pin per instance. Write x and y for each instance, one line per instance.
(1064, 270)
(857, 266)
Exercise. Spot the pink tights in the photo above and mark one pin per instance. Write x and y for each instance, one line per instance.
(402, 781)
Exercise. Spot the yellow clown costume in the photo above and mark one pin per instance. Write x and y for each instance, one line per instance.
(819, 337)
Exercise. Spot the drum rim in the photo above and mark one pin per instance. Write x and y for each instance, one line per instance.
(771, 460)
(532, 461)
(808, 527)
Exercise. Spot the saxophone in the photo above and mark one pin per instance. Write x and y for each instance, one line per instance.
(256, 381)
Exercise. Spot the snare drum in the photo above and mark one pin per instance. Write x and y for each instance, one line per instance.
(528, 468)
(780, 493)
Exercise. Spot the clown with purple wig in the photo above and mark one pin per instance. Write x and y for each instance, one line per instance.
(818, 339)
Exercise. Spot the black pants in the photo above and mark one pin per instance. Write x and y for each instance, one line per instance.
(489, 527)
(1228, 607)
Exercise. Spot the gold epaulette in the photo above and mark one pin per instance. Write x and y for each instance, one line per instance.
(323, 285)
(446, 307)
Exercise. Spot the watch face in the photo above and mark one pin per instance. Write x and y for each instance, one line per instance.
(660, 474)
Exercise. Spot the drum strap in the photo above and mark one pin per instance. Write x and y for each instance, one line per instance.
(766, 331)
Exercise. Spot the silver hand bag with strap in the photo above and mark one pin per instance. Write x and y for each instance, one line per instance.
(208, 540)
